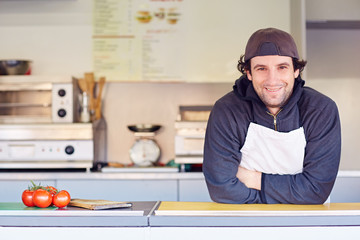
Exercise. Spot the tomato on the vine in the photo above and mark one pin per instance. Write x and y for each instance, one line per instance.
(51, 189)
(42, 198)
(61, 199)
(27, 198)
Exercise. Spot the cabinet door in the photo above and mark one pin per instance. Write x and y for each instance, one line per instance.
(121, 190)
(193, 191)
(346, 190)
(14, 189)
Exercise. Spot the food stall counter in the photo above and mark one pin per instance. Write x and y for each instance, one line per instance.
(246, 215)
(185, 220)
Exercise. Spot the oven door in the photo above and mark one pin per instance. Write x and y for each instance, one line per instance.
(189, 145)
(189, 149)
(26, 105)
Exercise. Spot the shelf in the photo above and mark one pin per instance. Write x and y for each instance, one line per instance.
(333, 24)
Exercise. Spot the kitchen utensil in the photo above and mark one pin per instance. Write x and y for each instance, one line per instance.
(144, 127)
(82, 85)
(15, 67)
(145, 151)
(84, 110)
(116, 164)
(98, 101)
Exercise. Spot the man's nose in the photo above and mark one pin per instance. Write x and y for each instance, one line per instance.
(272, 76)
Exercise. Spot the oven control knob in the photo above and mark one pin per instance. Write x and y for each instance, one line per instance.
(62, 92)
(69, 150)
(62, 112)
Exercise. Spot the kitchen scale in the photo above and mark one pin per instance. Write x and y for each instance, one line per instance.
(145, 151)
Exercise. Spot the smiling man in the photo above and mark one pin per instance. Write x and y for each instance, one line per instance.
(271, 139)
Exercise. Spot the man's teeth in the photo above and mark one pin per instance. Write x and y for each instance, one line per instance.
(272, 89)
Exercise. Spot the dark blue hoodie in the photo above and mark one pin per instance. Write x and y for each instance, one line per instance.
(225, 135)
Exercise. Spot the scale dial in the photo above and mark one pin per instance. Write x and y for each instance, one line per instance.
(144, 152)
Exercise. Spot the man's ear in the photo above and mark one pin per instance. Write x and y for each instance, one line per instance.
(296, 73)
(248, 74)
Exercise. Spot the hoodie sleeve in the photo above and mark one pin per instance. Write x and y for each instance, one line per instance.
(222, 156)
(321, 162)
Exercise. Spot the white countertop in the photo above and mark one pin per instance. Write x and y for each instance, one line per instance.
(99, 175)
(348, 173)
(120, 175)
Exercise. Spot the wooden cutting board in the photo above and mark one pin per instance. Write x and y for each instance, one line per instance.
(98, 204)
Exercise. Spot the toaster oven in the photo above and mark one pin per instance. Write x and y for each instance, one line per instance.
(190, 134)
(38, 99)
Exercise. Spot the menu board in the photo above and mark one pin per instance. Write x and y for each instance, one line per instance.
(138, 39)
(177, 40)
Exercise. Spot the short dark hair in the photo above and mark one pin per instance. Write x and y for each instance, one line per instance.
(244, 66)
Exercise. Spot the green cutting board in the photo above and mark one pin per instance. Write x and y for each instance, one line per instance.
(20, 206)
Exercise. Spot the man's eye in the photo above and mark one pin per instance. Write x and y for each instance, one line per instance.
(260, 69)
(283, 67)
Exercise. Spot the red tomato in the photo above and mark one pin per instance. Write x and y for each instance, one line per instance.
(42, 198)
(51, 189)
(27, 198)
(61, 199)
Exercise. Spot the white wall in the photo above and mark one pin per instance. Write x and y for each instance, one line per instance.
(156, 103)
(56, 35)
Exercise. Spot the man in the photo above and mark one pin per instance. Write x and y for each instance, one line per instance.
(272, 140)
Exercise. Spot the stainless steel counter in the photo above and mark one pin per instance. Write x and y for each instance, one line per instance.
(122, 175)
(100, 175)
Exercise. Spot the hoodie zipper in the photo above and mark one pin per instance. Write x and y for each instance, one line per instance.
(275, 116)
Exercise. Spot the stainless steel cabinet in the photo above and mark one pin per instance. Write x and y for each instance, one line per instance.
(117, 188)
(346, 189)
(193, 191)
(122, 190)
(11, 190)
(174, 187)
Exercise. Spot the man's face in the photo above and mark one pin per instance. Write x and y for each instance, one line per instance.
(273, 79)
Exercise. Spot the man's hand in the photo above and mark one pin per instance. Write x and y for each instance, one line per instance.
(251, 179)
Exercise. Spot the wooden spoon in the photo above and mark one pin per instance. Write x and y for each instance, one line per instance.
(82, 84)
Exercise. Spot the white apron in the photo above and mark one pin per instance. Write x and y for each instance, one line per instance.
(269, 151)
